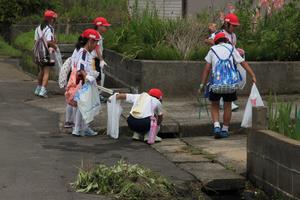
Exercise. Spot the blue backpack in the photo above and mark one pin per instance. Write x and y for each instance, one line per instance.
(225, 77)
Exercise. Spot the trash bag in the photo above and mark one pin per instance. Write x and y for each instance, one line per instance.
(253, 100)
(153, 130)
(114, 111)
(88, 101)
(58, 61)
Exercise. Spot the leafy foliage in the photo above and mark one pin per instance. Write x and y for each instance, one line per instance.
(281, 120)
(7, 50)
(124, 181)
(276, 34)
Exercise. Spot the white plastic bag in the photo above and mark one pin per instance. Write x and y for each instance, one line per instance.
(88, 101)
(253, 100)
(243, 75)
(64, 72)
(114, 111)
(58, 61)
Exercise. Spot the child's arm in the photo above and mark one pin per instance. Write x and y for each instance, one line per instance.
(209, 41)
(205, 73)
(246, 66)
(204, 76)
(121, 96)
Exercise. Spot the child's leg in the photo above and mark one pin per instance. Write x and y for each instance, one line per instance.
(40, 76)
(46, 73)
(227, 113)
(215, 106)
(69, 122)
(78, 123)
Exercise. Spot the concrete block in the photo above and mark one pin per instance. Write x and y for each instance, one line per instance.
(265, 169)
(214, 176)
(169, 142)
(185, 157)
(296, 184)
(259, 118)
(285, 181)
(170, 149)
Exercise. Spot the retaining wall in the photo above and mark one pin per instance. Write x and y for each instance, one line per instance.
(273, 160)
(182, 78)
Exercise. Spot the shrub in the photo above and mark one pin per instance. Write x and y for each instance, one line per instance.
(146, 36)
(7, 50)
(276, 34)
(281, 120)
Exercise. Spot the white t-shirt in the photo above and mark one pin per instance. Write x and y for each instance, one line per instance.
(83, 59)
(151, 108)
(223, 53)
(48, 32)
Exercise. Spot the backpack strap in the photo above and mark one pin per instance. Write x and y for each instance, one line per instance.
(215, 53)
(230, 50)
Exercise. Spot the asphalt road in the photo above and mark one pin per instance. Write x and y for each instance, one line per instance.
(39, 163)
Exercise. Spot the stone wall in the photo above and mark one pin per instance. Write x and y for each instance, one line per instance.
(182, 78)
(273, 160)
(273, 163)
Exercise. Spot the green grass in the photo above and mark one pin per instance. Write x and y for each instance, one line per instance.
(124, 181)
(8, 50)
(70, 39)
(26, 40)
(280, 118)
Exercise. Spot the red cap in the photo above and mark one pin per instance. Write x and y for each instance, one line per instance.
(91, 34)
(219, 36)
(101, 21)
(50, 14)
(156, 93)
(232, 19)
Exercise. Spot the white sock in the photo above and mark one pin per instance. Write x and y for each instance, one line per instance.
(217, 124)
(225, 128)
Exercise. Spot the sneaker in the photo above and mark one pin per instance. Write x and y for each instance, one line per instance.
(89, 132)
(157, 139)
(234, 107)
(222, 134)
(217, 130)
(136, 136)
(69, 125)
(43, 92)
(76, 133)
(37, 90)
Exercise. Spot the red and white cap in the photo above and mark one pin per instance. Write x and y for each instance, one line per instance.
(219, 36)
(50, 14)
(232, 19)
(155, 92)
(101, 21)
(91, 34)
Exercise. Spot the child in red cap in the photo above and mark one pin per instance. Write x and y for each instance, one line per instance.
(101, 25)
(145, 106)
(46, 31)
(84, 72)
(221, 52)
